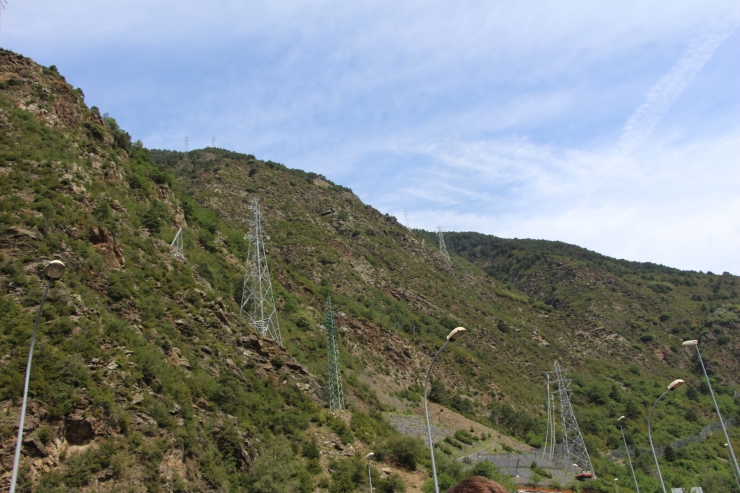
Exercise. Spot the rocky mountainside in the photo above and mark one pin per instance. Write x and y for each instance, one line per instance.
(146, 379)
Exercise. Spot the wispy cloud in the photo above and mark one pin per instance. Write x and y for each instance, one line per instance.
(667, 90)
(501, 117)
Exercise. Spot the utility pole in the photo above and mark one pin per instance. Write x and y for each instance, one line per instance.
(336, 395)
(442, 246)
(258, 302)
(573, 445)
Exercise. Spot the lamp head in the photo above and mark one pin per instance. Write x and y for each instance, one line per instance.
(55, 269)
(456, 334)
(621, 418)
(676, 384)
(370, 455)
(692, 342)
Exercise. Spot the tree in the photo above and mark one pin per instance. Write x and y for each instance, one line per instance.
(152, 219)
(615, 394)
(275, 470)
(692, 393)
(439, 393)
(404, 450)
(669, 454)
(632, 410)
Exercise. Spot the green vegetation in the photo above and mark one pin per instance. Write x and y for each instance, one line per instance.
(152, 350)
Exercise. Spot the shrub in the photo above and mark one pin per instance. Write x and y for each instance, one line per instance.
(439, 393)
(152, 219)
(404, 451)
(464, 437)
(340, 428)
(394, 484)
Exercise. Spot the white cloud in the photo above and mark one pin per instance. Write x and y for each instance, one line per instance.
(497, 117)
(672, 204)
(670, 87)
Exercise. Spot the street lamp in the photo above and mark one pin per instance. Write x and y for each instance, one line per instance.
(53, 271)
(620, 420)
(616, 484)
(455, 334)
(673, 386)
(735, 468)
(369, 476)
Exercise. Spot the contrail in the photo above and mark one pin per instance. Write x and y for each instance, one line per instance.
(669, 88)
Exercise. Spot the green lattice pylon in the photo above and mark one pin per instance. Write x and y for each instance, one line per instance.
(336, 396)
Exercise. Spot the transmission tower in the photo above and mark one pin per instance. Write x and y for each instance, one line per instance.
(186, 142)
(213, 142)
(258, 302)
(177, 244)
(442, 246)
(336, 396)
(573, 445)
(406, 216)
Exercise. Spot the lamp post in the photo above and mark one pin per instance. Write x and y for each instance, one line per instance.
(369, 476)
(733, 460)
(53, 271)
(673, 386)
(616, 484)
(629, 459)
(455, 334)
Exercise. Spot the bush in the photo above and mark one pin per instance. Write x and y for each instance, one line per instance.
(445, 482)
(275, 469)
(340, 428)
(439, 393)
(394, 484)
(152, 219)
(404, 451)
(464, 437)
(484, 469)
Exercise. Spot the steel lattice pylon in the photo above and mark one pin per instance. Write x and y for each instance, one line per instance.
(336, 395)
(177, 244)
(573, 445)
(258, 302)
(442, 246)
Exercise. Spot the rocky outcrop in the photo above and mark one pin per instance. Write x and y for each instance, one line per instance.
(108, 248)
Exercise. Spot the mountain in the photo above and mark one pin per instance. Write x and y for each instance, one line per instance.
(146, 378)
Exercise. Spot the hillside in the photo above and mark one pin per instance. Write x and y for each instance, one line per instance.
(144, 375)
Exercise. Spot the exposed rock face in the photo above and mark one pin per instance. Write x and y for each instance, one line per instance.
(108, 248)
(177, 359)
(78, 429)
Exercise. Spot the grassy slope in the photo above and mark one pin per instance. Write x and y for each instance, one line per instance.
(603, 319)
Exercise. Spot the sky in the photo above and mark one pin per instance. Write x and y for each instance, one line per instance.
(614, 126)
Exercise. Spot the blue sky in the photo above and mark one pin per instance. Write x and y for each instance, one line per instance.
(613, 126)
